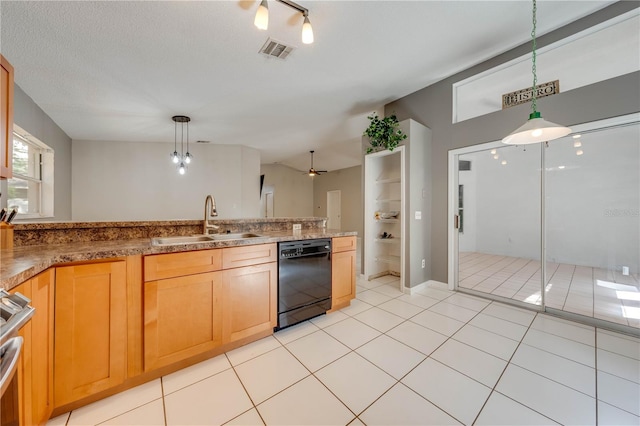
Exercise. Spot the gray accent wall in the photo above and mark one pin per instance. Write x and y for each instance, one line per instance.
(432, 106)
(34, 120)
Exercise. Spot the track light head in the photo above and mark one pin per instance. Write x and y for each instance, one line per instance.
(307, 31)
(262, 16)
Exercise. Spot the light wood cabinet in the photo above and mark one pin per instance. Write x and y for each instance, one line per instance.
(42, 299)
(191, 307)
(6, 118)
(343, 272)
(236, 257)
(36, 364)
(161, 266)
(249, 301)
(24, 366)
(339, 244)
(90, 329)
(182, 318)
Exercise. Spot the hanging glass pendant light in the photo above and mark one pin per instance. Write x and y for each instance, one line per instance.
(182, 158)
(536, 129)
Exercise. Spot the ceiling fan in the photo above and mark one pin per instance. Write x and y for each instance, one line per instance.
(313, 172)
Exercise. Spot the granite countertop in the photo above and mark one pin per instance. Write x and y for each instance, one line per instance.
(136, 223)
(22, 263)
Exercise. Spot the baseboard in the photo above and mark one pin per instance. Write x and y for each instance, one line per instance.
(431, 283)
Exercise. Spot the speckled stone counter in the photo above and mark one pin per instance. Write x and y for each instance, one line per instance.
(24, 262)
(28, 234)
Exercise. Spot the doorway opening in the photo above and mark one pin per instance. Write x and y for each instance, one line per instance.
(552, 227)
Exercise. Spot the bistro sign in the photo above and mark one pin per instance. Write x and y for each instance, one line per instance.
(525, 95)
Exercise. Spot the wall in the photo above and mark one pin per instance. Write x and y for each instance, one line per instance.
(292, 191)
(432, 107)
(33, 119)
(349, 182)
(136, 181)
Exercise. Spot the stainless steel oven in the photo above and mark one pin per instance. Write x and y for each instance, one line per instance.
(304, 280)
(15, 312)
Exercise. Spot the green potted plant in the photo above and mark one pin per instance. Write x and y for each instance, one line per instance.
(383, 133)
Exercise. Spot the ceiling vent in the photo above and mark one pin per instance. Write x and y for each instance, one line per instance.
(276, 49)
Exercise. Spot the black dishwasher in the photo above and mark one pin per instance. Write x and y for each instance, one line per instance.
(304, 280)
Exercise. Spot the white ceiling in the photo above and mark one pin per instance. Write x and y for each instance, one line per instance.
(119, 70)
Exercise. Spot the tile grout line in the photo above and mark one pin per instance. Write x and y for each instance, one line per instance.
(502, 374)
(255, 407)
(164, 406)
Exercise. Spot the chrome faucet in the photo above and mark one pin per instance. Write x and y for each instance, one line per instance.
(209, 213)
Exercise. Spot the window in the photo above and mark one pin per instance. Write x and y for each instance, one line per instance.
(31, 188)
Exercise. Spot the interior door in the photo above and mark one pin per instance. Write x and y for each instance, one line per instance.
(333, 209)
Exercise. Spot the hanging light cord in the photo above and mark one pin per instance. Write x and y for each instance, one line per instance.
(534, 103)
(175, 136)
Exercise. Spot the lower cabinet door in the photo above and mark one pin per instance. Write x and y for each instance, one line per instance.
(249, 300)
(343, 278)
(91, 329)
(182, 318)
(23, 395)
(42, 294)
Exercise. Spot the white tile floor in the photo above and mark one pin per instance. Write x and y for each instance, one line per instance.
(592, 292)
(436, 357)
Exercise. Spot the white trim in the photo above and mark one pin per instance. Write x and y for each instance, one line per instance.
(584, 33)
(452, 232)
(424, 285)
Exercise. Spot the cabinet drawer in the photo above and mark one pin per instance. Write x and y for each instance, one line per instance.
(235, 257)
(339, 244)
(161, 266)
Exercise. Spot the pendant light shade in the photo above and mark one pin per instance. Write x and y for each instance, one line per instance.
(262, 16)
(536, 130)
(307, 31)
(181, 157)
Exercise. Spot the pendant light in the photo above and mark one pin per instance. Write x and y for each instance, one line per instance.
(261, 20)
(182, 158)
(536, 129)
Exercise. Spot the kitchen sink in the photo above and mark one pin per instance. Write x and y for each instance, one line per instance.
(240, 236)
(163, 241)
(194, 239)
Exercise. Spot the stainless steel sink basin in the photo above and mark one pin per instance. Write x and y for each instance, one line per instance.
(240, 236)
(163, 241)
(194, 239)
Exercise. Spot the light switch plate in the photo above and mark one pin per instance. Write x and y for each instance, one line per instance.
(418, 215)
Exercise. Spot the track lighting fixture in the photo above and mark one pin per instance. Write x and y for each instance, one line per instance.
(536, 129)
(181, 158)
(262, 18)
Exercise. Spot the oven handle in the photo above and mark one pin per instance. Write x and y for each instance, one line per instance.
(10, 352)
